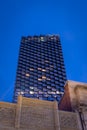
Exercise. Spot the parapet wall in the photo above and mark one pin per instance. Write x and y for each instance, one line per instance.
(34, 114)
(68, 120)
(7, 114)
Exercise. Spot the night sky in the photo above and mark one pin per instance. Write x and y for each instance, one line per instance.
(68, 18)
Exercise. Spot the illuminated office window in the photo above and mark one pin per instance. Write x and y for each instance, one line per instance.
(27, 75)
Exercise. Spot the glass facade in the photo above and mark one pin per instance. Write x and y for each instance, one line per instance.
(40, 72)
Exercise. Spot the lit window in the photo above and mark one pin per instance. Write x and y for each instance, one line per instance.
(31, 69)
(52, 37)
(39, 79)
(31, 88)
(21, 92)
(31, 92)
(43, 70)
(43, 77)
(39, 69)
(27, 75)
(42, 38)
(57, 92)
(52, 92)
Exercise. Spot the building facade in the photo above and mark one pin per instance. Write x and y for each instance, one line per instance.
(40, 72)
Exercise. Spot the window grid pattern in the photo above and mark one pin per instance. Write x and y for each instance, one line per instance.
(40, 72)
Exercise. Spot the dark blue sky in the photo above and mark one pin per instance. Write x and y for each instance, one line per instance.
(68, 18)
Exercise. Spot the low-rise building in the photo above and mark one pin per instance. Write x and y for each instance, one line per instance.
(35, 114)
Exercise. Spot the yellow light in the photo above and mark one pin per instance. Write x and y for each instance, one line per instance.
(27, 75)
(39, 79)
(43, 77)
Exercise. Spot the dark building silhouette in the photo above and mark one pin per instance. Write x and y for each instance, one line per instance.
(40, 72)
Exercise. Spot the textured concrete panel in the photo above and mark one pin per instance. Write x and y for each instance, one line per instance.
(75, 96)
(68, 121)
(7, 114)
(34, 114)
(37, 114)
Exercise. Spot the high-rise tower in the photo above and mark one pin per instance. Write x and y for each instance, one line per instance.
(40, 72)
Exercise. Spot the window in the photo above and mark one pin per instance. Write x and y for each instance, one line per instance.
(48, 87)
(42, 38)
(21, 92)
(31, 87)
(48, 79)
(43, 77)
(57, 92)
(39, 79)
(39, 69)
(31, 92)
(27, 75)
(43, 70)
(31, 69)
(46, 61)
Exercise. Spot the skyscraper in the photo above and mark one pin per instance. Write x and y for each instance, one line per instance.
(40, 72)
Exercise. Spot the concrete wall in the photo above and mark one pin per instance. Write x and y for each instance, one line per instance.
(34, 114)
(68, 120)
(37, 115)
(7, 114)
(29, 114)
(65, 103)
(75, 96)
(84, 118)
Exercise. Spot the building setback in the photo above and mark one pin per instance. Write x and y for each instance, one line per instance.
(40, 72)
